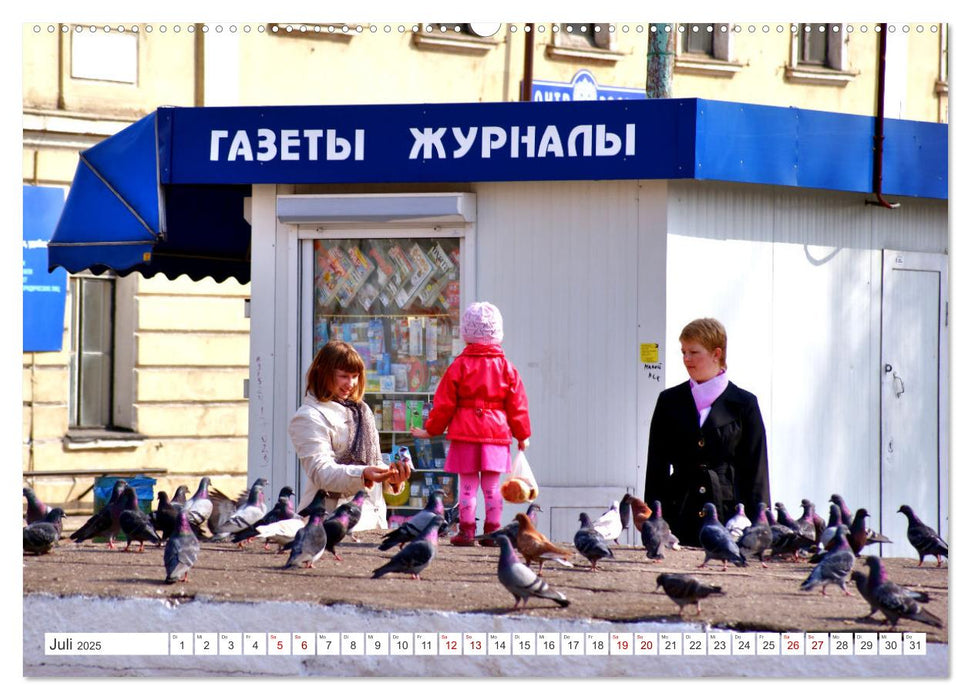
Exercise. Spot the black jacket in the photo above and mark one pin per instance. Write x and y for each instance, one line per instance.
(723, 462)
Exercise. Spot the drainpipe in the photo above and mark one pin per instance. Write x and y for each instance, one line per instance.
(660, 60)
(527, 95)
(878, 130)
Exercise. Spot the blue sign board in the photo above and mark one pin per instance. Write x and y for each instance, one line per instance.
(583, 87)
(43, 292)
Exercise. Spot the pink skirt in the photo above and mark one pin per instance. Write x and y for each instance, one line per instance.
(473, 457)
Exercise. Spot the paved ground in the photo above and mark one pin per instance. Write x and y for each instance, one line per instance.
(464, 580)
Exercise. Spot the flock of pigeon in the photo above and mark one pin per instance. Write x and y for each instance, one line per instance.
(181, 522)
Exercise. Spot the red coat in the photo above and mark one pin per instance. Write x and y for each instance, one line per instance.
(481, 398)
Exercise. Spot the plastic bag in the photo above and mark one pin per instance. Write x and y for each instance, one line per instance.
(520, 485)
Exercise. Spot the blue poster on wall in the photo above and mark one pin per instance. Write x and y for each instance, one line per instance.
(44, 292)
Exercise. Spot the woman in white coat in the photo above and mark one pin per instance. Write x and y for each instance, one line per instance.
(336, 441)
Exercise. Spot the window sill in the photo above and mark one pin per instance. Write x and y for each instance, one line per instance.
(711, 67)
(584, 54)
(454, 43)
(102, 439)
(805, 75)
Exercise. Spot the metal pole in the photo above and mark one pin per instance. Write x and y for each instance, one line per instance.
(660, 60)
(527, 93)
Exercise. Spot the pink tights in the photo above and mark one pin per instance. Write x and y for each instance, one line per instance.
(468, 489)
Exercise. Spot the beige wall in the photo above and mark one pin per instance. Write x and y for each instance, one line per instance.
(189, 345)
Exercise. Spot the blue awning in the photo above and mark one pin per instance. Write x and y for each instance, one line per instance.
(119, 216)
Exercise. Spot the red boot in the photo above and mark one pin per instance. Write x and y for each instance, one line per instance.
(490, 527)
(466, 536)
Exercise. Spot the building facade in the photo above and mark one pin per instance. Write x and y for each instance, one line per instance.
(175, 354)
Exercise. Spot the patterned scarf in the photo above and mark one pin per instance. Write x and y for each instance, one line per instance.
(364, 449)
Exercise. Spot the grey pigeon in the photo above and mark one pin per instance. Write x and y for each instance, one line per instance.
(136, 525)
(337, 526)
(105, 521)
(625, 511)
(834, 567)
(656, 533)
(512, 529)
(860, 535)
(411, 528)
(684, 590)
(414, 557)
(717, 542)
(224, 522)
(893, 600)
(353, 508)
(41, 535)
(181, 551)
(809, 515)
(847, 517)
(450, 518)
(785, 540)
(923, 537)
(860, 579)
(738, 522)
(179, 497)
(591, 543)
(309, 544)
(317, 503)
(784, 518)
(282, 510)
(757, 537)
(199, 507)
(520, 580)
(36, 508)
(835, 520)
(165, 518)
(609, 524)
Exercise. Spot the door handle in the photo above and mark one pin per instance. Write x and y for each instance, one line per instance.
(898, 385)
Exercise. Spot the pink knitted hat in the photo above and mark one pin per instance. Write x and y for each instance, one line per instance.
(481, 323)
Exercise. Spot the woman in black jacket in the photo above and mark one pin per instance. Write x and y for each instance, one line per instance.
(707, 441)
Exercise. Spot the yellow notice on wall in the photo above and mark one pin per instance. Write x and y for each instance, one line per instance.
(649, 353)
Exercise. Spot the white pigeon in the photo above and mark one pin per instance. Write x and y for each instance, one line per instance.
(737, 523)
(281, 532)
(609, 524)
(244, 515)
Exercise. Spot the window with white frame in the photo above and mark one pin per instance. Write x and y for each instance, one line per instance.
(818, 55)
(92, 351)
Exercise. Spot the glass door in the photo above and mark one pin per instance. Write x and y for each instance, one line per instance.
(396, 296)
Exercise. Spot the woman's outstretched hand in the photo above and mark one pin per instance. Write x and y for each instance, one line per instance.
(420, 433)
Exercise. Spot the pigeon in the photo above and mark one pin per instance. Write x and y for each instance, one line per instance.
(591, 543)
(281, 533)
(411, 528)
(737, 522)
(835, 520)
(834, 567)
(656, 534)
(625, 512)
(165, 518)
(178, 498)
(520, 580)
(181, 551)
(785, 540)
(199, 507)
(450, 518)
(282, 510)
(105, 521)
(757, 537)
(353, 508)
(609, 524)
(684, 590)
(36, 509)
(414, 557)
(860, 579)
(309, 544)
(41, 535)
(717, 541)
(847, 518)
(337, 526)
(894, 601)
(784, 518)
(223, 523)
(316, 504)
(810, 524)
(534, 546)
(639, 512)
(860, 535)
(512, 529)
(923, 537)
(136, 525)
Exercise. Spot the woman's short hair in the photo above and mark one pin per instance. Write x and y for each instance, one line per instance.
(710, 333)
(335, 355)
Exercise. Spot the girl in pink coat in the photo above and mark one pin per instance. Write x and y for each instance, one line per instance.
(482, 402)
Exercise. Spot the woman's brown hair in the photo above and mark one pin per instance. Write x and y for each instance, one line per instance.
(335, 355)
